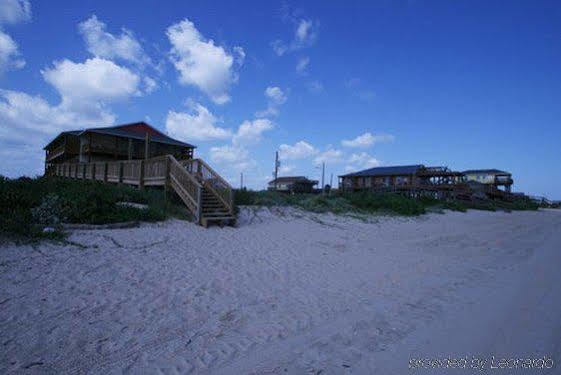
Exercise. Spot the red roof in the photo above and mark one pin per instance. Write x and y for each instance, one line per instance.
(136, 130)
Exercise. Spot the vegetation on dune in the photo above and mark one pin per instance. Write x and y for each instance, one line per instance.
(362, 202)
(28, 205)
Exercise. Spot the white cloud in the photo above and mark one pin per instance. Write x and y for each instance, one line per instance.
(100, 43)
(240, 58)
(233, 156)
(85, 89)
(275, 98)
(150, 84)
(251, 132)
(29, 122)
(91, 83)
(305, 35)
(302, 65)
(198, 125)
(14, 11)
(367, 140)
(10, 57)
(306, 31)
(300, 150)
(286, 169)
(361, 161)
(201, 63)
(329, 156)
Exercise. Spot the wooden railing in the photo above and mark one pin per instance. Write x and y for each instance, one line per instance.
(186, 186)
(211, 180)
(160, 171)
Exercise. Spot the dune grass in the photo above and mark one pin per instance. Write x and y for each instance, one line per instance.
(28, 205)
(386, 203)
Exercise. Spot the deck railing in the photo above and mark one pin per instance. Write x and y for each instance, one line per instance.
(211, 180)
(187, 177)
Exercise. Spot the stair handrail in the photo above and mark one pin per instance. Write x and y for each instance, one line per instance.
(194, 197)
(227, 200)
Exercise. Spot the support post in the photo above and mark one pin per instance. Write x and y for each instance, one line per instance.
(167, 181)
(276, 168)
(141, 178)
(120, 182)
(146, 146)
(84, 171)
(130, 149)
(199, 205)
(105, 171)
(93, 171)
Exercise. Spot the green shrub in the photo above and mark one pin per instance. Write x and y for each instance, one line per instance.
(28, 205)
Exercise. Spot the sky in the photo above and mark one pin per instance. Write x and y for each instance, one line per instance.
(463, 84)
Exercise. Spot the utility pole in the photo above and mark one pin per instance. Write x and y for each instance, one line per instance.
(277, 164)
(241, 180)
(331, 181)
(322, 175)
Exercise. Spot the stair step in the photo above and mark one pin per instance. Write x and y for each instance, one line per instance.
(218, 216)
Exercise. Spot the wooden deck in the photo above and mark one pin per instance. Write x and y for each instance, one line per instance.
(205, 193)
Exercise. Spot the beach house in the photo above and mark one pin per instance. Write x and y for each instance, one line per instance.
(140, 155)
(292, 184)
(492, 177)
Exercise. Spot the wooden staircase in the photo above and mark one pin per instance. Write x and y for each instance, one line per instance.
(214, 210)
(205, 193)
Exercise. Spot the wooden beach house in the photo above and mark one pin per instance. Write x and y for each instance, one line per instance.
(292, 184)
(492, 177)
(140, 155)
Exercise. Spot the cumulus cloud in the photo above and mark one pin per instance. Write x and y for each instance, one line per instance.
(10, 56)
(367, 140)
(233, 156)
(150, 84)
(300, 150)
(329, 156)
(360, 161)
(29, 122)
(251, 132)
(14, 11)
(302, 64)
(286, 169)
(275, 98)
(94, 81)
(199, 125)
(202, 63)
(85, 89)
(103, 44)
(305, 34)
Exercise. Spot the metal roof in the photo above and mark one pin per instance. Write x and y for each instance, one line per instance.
(387, 171)
(121, 131)
(489, 171)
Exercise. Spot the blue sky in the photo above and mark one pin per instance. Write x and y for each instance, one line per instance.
(466, 84)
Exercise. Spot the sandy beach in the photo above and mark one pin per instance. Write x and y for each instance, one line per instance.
(286, 292)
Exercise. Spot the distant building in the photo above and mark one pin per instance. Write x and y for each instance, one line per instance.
(493, 177)
(292, 184)
(404, 176)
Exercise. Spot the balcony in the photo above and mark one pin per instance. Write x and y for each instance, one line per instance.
(56, 152)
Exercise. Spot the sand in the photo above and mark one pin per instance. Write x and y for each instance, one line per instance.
(286, 292)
